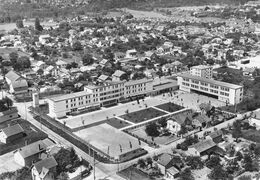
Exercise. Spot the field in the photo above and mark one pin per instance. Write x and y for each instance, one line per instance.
(32, 135)
(170, 107)
(143, 115)
(108, 139)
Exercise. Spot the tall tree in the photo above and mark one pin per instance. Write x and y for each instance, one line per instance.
(19, 24)
(218, 173)
(37, 25)
(186, 175)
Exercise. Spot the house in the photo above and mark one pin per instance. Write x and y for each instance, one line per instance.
(201, 120)
(61, 64)
(11, 133)
(132, 53)
(103, 78)
(43, 39)
(173, 126)
(105, 63)
(118, 75)
(9, 114)
(26, 155)
(17, 84)
(202, 148)
(216, 136)
(166, 165)
(44, 169)
(254, 120)
(248, 71)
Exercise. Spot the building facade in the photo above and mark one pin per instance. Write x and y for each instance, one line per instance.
(201, 71)
(226, 92)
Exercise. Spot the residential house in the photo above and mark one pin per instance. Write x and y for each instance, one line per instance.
(44, 169)
(61, 64)
(17, 84)
(201, 120)
(11, 133)
(166, 165)
(249, 71)
(118, 75)
(254, 120)
(105, 63)
(132, 53)
(9, 114)
(26, 155)
(216, 136)
(202, 148)
(103, 78)
(43, 39)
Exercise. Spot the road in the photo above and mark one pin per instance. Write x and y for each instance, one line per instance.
(105, 171)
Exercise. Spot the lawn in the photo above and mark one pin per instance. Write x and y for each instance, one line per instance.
(170, 107)
(33, 134)
(142, 115)
(116, 123)
(133, 173)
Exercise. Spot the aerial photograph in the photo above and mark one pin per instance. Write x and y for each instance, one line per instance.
(129, 89)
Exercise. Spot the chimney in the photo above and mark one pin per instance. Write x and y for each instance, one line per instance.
(40, 147)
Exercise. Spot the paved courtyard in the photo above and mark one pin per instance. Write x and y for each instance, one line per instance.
(107, 113)
(191, 100)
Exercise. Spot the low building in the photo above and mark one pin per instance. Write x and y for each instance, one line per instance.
(44, 169)
(216, 136)
(9, 114)
(165, 164)
(226, 92)
(254, 120)
(202, 148)
(17, 84)
(118, 75)
(11, 133)
(27, 155)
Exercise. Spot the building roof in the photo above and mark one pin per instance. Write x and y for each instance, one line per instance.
(69, 96)
(12, 76)
(202, 118)
(172, 170)
(103, 77)
(140, 81)
(200, 67)
(9, 111)
(164, 159)
(203, 145)
(47, 163)
(12, 130)
(215, 134)
(118, 73)
(32, 149)
(211, 81)
(19, 83)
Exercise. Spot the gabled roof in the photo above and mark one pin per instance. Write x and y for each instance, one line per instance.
(164, 159)
(118, 73)
(12, 76)
(202, 118)
(215, 134)
(19, 83)
(45, 164)
(12, 130)
(103, 77)
(203, 145)
(32, 149)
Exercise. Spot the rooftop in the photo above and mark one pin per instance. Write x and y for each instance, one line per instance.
(69, 96)
(200, 67)
(204, 145)
(47, 163)
(12, 130)
(211, 81)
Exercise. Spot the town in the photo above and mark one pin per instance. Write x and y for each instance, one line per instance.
(166, 94)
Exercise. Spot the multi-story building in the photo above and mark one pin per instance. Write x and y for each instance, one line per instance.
(226, 92)
(95, 96)
(201, 71)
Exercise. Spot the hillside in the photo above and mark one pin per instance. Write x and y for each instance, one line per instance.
(147, 4)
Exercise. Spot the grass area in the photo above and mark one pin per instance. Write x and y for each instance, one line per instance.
(116, 123)
(170, 107)
(251, 135)
(33, 134)
(133, 173)
(142, 115)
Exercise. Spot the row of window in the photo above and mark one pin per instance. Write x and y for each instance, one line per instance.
(135, 86)
(185, 84)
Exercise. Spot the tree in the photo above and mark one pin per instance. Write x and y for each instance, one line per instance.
(257, 150)
(163, 122)
(24, 61)
(37, 25)
(194, 162)
(152, 130)
(248, 163)
(8, 102)
(76, 46)
(141, 163)
(87, 59)
(63, 176)
(40, 72)
(218, 173)
(183, 129)
(236, 132)
(213, 162)
(232, 166)
(239, 156)
(186, 175)
(19, 24)
(13, 56)
(245, 177)
(149, 161)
